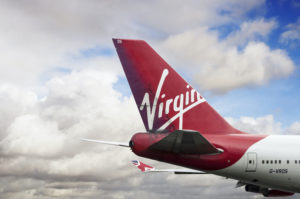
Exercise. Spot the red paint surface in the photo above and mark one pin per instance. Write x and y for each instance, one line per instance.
(277, 193)
(144, 167)
(234, 146)
(143, 68)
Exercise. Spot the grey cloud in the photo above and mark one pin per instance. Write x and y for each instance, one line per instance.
(88, 170)
(44, 111)
(39, 35)
(68, 168)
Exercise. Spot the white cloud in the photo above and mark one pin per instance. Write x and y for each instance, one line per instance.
(294, 128)
(292, 33)
(30, 135)
(222, 67)
(51, 94)
(259, 125)
(263, 125)
(42, 155)
(38, 36)
(251, 31)
(14, 102)
(41, 140)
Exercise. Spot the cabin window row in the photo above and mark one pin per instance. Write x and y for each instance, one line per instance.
(278, 161)
(272, 161)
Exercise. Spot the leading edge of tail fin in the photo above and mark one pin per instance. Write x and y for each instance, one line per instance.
(165, 101)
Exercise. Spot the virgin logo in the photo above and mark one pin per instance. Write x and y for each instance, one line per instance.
(180, 104)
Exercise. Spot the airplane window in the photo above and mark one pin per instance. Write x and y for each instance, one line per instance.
(267, 161)
(271, 161)
(275, 161)
(288, 161)
(250, 161)
(295, 161)
(263, 162)
(279, 161)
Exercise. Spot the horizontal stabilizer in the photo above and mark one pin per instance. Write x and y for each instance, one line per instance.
(185, 142)
(146, 168)
(108, 142)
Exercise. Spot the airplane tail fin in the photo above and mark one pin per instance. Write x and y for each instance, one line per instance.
(165, 101)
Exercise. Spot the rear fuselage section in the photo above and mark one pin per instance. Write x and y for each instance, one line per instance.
(272, 161)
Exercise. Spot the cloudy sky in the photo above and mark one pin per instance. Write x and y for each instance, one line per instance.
(61, 80)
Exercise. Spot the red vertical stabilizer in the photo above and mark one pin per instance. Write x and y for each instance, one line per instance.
(165, 100)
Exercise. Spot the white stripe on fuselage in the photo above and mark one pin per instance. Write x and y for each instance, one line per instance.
(274, 147)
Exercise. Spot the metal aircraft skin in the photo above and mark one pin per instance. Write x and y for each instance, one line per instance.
(183, 129)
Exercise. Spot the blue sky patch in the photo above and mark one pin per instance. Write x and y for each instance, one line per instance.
(96, 51)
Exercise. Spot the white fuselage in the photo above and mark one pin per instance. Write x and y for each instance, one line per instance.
(273, 162)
